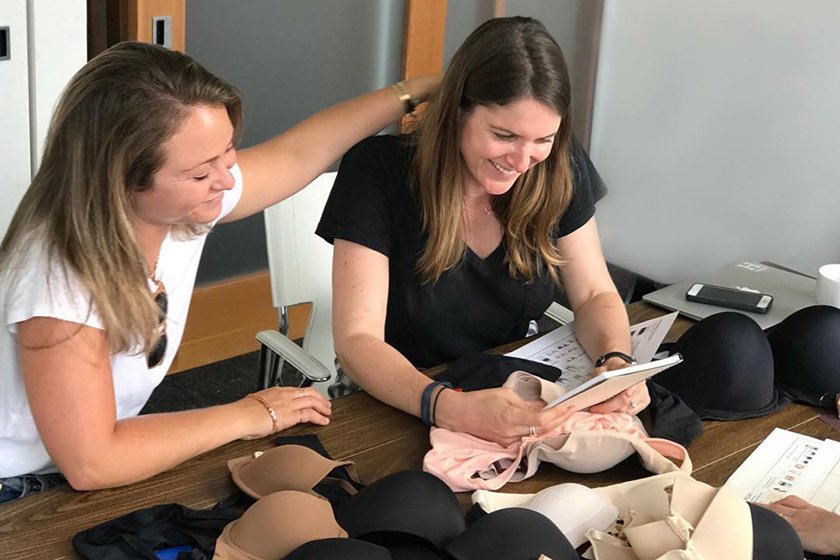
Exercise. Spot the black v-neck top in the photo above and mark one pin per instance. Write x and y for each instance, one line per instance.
(472, 307)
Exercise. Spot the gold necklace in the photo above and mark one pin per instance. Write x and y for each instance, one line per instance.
(484, 210)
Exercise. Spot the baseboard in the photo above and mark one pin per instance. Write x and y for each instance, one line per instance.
(225, 317)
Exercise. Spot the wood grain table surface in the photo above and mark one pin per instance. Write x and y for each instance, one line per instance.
(380, 440)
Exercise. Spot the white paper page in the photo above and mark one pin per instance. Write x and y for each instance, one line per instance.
(560, 348)
(827, 494)
(783, 462)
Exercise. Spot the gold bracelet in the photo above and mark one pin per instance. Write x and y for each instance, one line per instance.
(275, 426)
(404, 96)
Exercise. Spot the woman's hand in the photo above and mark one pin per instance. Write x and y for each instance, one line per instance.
(497, 415)
(292, 406)
(630, 401)
(818, 529)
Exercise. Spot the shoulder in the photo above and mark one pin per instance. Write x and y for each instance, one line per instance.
(378, 164)
(388, 145)
(36, 283)
(584, 175)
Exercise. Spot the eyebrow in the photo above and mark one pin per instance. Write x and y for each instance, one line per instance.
(206, 161)
(511, 133)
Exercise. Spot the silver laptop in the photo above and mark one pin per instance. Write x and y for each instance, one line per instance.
(791, 291)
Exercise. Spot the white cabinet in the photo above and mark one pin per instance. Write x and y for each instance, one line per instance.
(47, 44)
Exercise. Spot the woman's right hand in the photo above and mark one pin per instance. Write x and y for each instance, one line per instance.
(292, 405)
(497, 415)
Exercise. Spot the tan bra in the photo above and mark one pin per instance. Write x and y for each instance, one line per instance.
(287, 467)
(276, 525)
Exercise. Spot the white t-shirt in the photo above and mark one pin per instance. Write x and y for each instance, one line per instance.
(39, 291)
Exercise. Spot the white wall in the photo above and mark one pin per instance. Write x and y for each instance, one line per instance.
(49, 44)
(717, 129)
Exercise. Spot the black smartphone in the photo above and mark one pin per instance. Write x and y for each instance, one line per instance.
(754, 302)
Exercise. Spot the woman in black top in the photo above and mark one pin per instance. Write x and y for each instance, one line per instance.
(452, 240)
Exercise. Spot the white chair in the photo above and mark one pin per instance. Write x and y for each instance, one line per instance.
(300, 267)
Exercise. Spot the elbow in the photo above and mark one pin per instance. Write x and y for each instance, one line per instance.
(84, 477)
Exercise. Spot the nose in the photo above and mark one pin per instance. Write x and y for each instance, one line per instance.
(226, 180)
(521, 158)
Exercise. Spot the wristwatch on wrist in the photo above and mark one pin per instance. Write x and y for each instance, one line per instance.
(631, 361)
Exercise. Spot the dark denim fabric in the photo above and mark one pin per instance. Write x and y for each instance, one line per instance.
(20, 486)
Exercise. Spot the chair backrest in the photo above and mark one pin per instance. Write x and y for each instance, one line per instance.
(300, 264)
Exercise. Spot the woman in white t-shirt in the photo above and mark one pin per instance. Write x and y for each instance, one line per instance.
(99, 262)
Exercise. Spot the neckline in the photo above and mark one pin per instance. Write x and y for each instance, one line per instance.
(499, 247)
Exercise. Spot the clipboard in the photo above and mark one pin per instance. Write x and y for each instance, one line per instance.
(611, 383)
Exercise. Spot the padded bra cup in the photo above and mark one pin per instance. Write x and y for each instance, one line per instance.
(276, 525)
(414, 503)
(287, 467)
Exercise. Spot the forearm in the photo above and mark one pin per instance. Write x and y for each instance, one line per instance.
(278, 168)
(382, 371)
(601, 325)
(142, 446)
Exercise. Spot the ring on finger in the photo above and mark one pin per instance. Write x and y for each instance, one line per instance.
(300, 393)
(633, 404)
(532, 431)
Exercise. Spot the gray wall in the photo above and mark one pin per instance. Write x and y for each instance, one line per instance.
(574, 24)
(289, 59)
(717, 128)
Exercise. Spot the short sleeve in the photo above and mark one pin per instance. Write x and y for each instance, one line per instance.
(41, 287)
(360, 206)
(588, 187)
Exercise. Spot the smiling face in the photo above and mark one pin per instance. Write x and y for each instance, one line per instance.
(188, 187)
(501, 142)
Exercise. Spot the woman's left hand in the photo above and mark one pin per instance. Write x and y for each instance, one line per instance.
(630, 401)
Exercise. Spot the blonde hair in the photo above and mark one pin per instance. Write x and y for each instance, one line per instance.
(503, 60)
(105, 143)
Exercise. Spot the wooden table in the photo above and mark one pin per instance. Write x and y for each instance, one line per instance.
(380, 440)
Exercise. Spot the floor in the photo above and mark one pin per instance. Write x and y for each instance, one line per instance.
(216, 383)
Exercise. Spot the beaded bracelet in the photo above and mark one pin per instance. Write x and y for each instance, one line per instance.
(275, 423)
(425, 400)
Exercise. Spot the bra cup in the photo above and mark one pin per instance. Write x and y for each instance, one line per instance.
(728, 351)
(280, 522)
(773, 537)
(343, 549)
(574, 508)
(287, 467)
(806, 350)
(513, 534)
(414, 503)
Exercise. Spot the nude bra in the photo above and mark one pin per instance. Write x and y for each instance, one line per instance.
(287, 467)
(584, 443)
(276, 525)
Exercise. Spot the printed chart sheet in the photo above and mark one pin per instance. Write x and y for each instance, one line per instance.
(560, 348)
(790, 463)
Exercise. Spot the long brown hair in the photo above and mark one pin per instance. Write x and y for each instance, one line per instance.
(503, 60)
(105, 143)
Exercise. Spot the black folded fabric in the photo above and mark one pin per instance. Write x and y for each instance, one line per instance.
(485, 371)
(139, 534)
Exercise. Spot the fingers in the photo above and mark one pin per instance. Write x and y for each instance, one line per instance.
(791, 501)
(295, 405)
(631, 401)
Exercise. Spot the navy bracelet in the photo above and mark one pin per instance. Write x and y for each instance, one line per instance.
(425, 400)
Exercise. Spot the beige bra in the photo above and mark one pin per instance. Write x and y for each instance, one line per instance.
(276, 525)
(287, 467)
